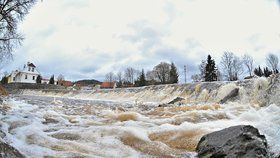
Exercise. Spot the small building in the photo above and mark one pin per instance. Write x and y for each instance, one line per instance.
(28, 74)
(45, 81)
(108, 85)
(65, 83)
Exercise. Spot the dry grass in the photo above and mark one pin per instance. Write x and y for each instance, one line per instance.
(3, 91)
(197, 89)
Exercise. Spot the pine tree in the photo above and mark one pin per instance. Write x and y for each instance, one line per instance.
(266, 72)
(4, 80)
(142, 79)
(39, 79)
(258, 71)
(210, 70)
(51, 80)
(173, 74)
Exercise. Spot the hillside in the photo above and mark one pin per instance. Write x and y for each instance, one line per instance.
(88, 82)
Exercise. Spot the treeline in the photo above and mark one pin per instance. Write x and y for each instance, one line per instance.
(232, 68)
(163, 73)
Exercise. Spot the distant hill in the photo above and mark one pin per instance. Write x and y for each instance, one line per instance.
(88, 82)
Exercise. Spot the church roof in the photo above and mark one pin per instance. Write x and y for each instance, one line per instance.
(31, 65)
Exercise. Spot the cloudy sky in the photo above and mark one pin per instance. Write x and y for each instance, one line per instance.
(89, 38)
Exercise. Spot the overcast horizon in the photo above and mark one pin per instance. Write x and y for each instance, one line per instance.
(88, 38)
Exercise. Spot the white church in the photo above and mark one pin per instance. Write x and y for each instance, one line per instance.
(28, 74)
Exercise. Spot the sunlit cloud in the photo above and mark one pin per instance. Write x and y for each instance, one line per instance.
(89, 38)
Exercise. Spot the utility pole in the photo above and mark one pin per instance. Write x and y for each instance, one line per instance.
(185, 73)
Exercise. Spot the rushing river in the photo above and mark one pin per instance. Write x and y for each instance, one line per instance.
(48, 126)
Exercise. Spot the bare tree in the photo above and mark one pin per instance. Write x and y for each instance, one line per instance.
(248, 61)
(119, 79)
(272, 62)
(196, 78)
(11, 12)
(110, 77)
(162, 72)
(130, 74)
(231, 66)
(201, 76)
(150, 76)
(60, 78)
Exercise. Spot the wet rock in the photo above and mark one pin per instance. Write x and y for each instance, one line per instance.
(174, 101)
(233, 93)
(241, 141)
(248, 77)
(50, 120)
(7, 151)
(177, 99)
(16, 124)
(2, 134)
(66, 136)
(163, 105)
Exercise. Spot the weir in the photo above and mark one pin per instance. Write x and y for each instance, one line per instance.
(262, 91)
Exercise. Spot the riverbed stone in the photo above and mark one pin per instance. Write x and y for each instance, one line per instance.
(233, 93)
(7, 151)
(243, 141)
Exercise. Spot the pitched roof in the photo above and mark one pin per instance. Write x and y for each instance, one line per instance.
(31, 65)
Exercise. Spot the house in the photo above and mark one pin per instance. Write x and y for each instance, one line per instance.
(65, 83)
(47, 81)
(108, 85)
(28, 74)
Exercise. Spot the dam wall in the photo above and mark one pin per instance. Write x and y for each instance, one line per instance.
(262, 91)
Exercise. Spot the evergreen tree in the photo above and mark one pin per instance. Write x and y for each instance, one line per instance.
(210, 70)
(266, 72)
(173, 74)
(51, 80)
(39, 79)
(142, 79)
(4, 80)
(258, 71)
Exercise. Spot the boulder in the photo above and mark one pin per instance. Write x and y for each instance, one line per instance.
(177, 99)
(241, 141)
(163, 105)
(233, 93)
(7, 151)
(50, 120)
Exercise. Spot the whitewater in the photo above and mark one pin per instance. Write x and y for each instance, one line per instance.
(129, 122)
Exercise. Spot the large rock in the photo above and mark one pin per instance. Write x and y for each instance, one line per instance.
(177, 99)
(233, 93)
(7, 151)
(234, 142)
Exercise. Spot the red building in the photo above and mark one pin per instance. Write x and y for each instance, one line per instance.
(65, 83)
(108, 85)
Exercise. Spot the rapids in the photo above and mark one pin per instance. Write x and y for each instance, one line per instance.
(129, 123)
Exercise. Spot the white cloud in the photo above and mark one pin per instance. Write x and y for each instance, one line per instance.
(88, 38)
